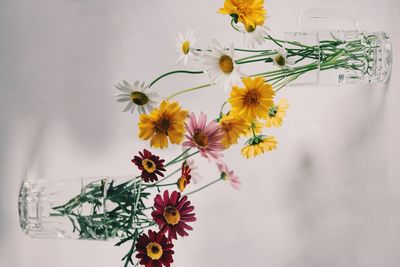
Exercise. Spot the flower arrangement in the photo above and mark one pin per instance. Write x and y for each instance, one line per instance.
(152, 223)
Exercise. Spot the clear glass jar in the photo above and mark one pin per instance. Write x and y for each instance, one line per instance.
(76, 208)
(340, 57)
(341, 53)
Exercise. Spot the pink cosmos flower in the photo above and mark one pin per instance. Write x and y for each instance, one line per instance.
(228, 175)
(206, 137)
(196, 177)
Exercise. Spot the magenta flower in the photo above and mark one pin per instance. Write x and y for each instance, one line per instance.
(228, 175)
(206, 137)
(172, 213)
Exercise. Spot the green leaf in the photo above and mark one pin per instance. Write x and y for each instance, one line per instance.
(235, 17)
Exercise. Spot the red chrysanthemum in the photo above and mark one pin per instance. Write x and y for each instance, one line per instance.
(150, 165)
(184, 180)
(154, 250)
(172, 213)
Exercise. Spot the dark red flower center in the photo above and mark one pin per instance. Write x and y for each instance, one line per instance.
(251, 98)
(162, 125)
(171, 215)
(226, 126)
(154, 250)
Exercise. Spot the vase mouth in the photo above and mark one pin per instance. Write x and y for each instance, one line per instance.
(385, 58)
(21, 206)
(26, 221)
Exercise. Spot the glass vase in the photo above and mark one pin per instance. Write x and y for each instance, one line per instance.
(77, 208)
(338, 57)
(336, 51)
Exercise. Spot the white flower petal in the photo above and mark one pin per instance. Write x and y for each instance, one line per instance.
(124, 99)
(185, 60)
(128, 107)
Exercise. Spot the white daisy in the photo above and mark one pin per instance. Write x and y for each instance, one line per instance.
(254, 35)
(281, 60)
(223, 70)
(136, 96)
(184, 46)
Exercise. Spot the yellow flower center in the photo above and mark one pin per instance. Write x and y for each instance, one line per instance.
(154, 250)
(224, 176)
(226, 64)
(185, 47)
(162, 125)
(149, 165)
(251, 98)
(280, 60)
(243, 7)
(139, 98)
(200, 139)
(171, 215)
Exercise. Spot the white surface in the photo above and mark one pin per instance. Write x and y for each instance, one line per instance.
(329, 196)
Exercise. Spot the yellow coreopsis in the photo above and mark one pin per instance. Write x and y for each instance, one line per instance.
(277, 113)
(250, 12)
(232, 127)
(258, 145)
(253, 101)
(163, 123)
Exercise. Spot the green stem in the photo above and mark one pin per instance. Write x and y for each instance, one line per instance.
(256, 56)
(188, 156)
(183, 158)
(253, 126)
(278, 41)
(233, 26)
(188, 90)
(267, 59)
(201, 188)
(222, 109)
(160, 185)
(274, 40)
(250, 50)
(180, 155)
(174, 72)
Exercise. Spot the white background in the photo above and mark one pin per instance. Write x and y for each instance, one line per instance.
(329, 196)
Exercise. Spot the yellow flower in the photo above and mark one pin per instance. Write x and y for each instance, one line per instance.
(249, 12)
(277, 113)
(252, 101)
(258, 145)
(162, 123)
(232, 127)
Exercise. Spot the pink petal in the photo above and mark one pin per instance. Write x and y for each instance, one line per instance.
(202, 121)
